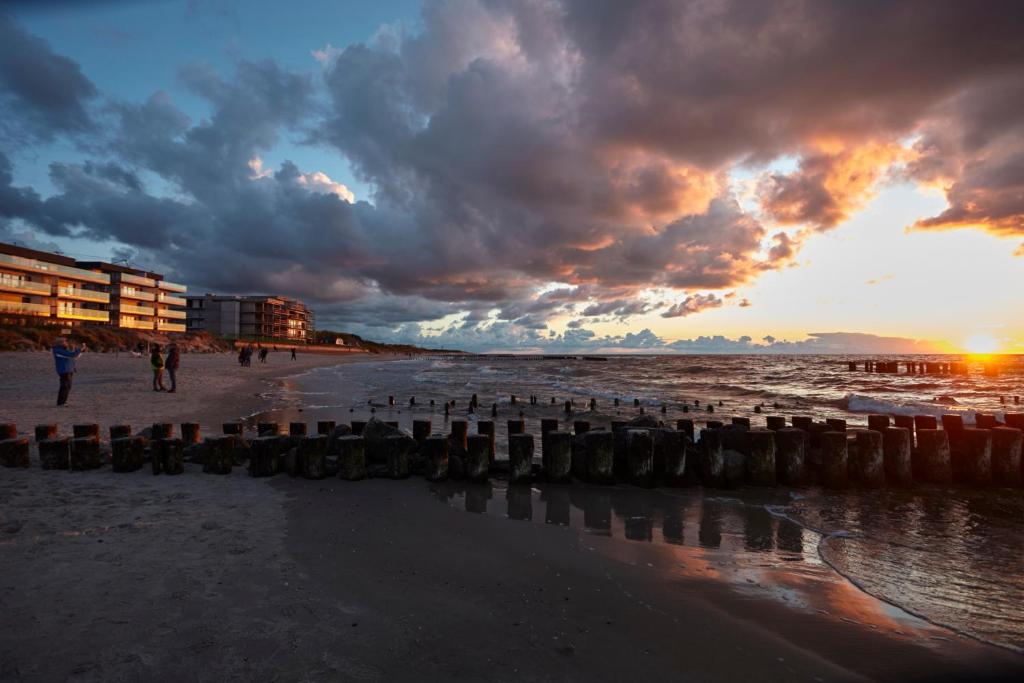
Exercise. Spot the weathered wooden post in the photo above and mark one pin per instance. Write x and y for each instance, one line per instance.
(82, 431)
(568, 407)
(640, 457)
(775, 422)
(297, 429)
(600, 456)
(983, 421)
(391, 400)
(486, 428)
(580, 427)
(267, 429)
(232, 428)
(8, 431)
(548, 425)
(685, 426)
(190, 433)
(802, 422)
(460, 430)
(357, 427)
(931, 461)
(761, 457)
(834, 459)
(325, 427)
(120, 431)
(741, 422)
(397, 454)
(867, 463)
(925, 422)
(621, 467)
(1006, 456)
(670, 455)
(520, 457)
(313, 456)
(494, 410)
(896, 452)
(266, 452)
(790, 453)
(878, 423)
(55, 453)
(557, 456)
(171, 455)
(14, 452)
(85, 453)
(351, 457)
(420, 430)
(220, 454)
(127, 453)
(712, 461)
(836, 424)
(161, 430)
(479, 447)
(972, 464)
(44, 432)
(435, 448)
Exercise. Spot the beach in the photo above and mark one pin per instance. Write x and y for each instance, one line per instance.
(117, 388)
(131, 576)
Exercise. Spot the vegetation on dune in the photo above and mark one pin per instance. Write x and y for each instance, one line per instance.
(97, 338)
(329, 337)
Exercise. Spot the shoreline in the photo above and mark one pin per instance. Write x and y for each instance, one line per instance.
(379, 580)
(112, 389)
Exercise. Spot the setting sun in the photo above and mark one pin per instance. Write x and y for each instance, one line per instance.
(981, 343)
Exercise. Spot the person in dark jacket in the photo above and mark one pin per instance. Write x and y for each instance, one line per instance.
(157, 361)
(172, 363)
(64, 358)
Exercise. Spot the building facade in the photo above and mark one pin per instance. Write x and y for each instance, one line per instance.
(260, 318)
(37, 286)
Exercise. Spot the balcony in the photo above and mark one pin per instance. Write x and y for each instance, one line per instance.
(135, 324)
(24, 287)
(131, 293)
(164, 326)
(171, 313)
(171, 300)
(137, 310)
(34, 266)
(137, 280)
(76, 313)
(65, 292)
(18, 308)
(171, 286)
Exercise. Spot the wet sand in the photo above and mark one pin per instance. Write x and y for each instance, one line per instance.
(117, 389)
(202, 577)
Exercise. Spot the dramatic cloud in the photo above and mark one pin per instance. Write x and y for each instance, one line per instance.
(694, 303)
(42, 94)
(526, 161)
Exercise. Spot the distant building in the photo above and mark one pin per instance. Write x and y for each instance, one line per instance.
(37, 286)
(260, 318)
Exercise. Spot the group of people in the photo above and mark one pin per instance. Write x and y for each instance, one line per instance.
(245, 354)
(65, 357)
(160, 364)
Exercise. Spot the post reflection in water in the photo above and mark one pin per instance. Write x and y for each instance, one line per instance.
(477, 496)
(710, 533)
(757, 529)
(520, 502)
(789, 536)
(557, 504)
(672, 524)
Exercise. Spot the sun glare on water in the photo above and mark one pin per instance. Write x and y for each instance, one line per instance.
(981, 344)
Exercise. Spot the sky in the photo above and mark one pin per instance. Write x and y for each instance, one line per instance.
(541, 175)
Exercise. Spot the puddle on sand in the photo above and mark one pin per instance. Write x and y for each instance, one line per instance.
(742, 537)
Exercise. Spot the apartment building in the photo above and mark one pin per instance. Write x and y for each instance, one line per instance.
(51, 288)
(260, 318)
(142, 300)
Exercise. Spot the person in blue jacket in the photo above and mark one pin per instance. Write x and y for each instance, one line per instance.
(64, 357)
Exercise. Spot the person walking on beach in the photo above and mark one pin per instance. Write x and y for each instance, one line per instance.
(64, 358)
(157, 361)
(293, 354)
(172, 362)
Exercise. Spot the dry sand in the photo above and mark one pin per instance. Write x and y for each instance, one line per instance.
(117, 389)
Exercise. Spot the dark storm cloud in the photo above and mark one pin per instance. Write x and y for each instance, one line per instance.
(510, 145)
(42, 93)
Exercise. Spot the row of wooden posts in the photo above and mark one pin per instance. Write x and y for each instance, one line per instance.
(897, 451)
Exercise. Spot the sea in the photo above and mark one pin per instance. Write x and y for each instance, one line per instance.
(950, 557)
